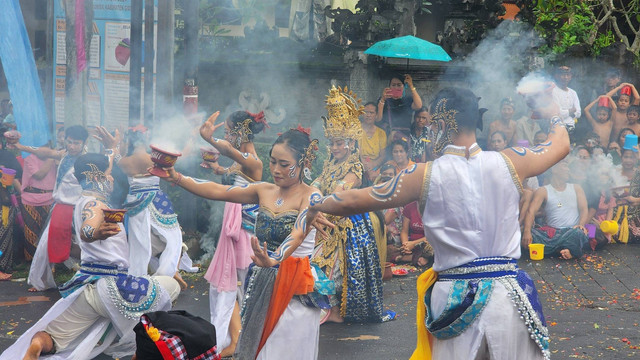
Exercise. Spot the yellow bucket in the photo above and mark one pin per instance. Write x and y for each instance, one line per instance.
(609, 227)
(536, 251)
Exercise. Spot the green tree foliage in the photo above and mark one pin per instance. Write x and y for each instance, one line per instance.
(595, 24)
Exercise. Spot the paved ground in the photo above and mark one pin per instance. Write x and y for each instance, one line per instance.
(592, 307)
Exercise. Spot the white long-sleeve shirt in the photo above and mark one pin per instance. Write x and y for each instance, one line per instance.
(567, 99)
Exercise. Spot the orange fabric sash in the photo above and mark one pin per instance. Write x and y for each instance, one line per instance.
(294, 278)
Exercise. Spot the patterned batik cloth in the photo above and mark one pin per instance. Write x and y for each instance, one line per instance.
(362, 283)
(6, 239)
(34, 221)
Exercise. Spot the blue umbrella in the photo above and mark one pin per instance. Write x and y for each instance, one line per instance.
(408, 47)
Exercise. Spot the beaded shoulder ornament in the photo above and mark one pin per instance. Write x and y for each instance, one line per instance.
(343, 110)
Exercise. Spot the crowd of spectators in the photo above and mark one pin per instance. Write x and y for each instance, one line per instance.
(565, 208)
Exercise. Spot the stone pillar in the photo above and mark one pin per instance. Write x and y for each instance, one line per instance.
(362, 79)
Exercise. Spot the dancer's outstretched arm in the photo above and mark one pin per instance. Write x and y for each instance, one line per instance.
(399, 191)
(242, 194)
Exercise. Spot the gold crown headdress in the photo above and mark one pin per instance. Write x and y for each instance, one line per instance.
(343, 109)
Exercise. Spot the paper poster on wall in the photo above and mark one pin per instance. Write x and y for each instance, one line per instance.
(116, 46)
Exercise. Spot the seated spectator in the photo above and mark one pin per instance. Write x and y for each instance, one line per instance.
(566, 213)
(601, 203)
(373, 142)
(633, 211)
(602, 124)
(627, 166)
(415, 247)
(393, 216)
(396, 106)
(505, 122)
(526, 129)
(598, 152)
(613, 153)
(421, 136)
(399, 153)
(540, 138)
(627, 96)
(497, 141)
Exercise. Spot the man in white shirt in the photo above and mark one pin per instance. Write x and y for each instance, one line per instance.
(566, 97)
(566, 212)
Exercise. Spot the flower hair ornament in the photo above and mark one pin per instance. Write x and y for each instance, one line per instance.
(242, 130)
(447, 123)
(306, 161)
(259, 118)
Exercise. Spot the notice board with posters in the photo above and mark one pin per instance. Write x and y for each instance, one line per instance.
(107, 94)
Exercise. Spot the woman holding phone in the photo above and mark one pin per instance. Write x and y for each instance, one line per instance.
(396, 106)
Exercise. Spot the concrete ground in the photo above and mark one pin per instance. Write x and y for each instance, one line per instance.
(591, 305)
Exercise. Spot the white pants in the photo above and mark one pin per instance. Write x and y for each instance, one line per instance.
(89, 308)
(497, 333)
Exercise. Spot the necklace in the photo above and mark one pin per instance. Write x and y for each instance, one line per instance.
(279, 202)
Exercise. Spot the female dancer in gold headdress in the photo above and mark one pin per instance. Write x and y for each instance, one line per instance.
(349, 255)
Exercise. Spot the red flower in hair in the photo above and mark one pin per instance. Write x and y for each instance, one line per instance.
(304, 130)
(259, 118)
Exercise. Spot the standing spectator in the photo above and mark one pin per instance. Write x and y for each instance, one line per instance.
(505, 123)
(396, 106)
(7, 114)
(373, 142)
(612, 78)
(8, 211)
(602, 124)
(566, 97)
(628, 96)
(565, 207)
(421, 135)
(38, 180)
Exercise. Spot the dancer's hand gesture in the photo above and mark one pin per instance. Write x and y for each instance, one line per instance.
(209, 127)
(260, 255)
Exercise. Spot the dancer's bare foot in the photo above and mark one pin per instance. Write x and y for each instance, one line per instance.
(565, 254)
(5, 276)
(183, 284)
(33, 289)
(334, 315)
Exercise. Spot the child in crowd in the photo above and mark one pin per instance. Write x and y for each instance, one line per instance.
(497, 141)
(633, 114)
(602, 124)
(628, 96)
